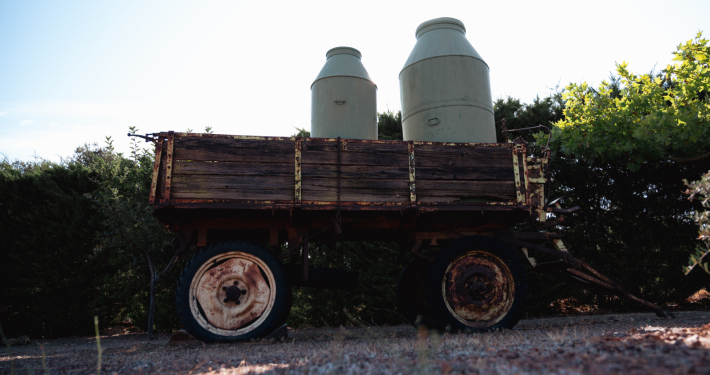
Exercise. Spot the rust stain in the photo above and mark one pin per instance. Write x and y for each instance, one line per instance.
(297, 174)
(156, 171)
(412, 175)
(235, 272)
(168, 167)
(479, 289)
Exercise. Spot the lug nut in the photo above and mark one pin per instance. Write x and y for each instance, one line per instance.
(237, 302)
(224, 288)
(225, 300)
(236, 283)
(244, 291)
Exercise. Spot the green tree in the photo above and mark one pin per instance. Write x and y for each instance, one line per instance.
(651, 118)
(389, 126)
(129, 232)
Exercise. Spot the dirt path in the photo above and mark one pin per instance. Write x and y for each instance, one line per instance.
(604, 344)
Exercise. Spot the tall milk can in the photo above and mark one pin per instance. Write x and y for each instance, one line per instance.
(343, 98)
(445, 89)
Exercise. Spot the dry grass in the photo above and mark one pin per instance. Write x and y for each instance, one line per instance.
(604, 344)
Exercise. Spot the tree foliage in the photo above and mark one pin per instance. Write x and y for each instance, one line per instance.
(652, 118)
(389, 126)
(133, 237)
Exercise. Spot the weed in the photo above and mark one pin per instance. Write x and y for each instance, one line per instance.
(98, 345)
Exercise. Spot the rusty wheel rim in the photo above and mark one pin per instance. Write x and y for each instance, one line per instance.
(232, 293)
(478, 289)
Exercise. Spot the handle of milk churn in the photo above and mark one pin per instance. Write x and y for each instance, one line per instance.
(433, 121)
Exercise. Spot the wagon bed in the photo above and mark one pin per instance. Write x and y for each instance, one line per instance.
(409, 186)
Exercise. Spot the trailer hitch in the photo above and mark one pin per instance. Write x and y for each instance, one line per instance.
(572, 267)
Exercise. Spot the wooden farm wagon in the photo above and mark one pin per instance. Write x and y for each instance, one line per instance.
(240, 198)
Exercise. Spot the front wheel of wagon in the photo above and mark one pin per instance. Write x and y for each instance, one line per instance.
(476, 284)
(232, 291)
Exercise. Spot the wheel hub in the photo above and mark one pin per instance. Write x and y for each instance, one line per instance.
(233, 293)
(478, 287)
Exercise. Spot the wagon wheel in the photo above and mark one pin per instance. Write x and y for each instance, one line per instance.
(410, 291)
(476, 284)
(232, 291)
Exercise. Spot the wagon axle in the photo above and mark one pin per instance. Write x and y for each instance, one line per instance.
(233, 293)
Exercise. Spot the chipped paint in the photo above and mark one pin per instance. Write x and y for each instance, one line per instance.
(228, 318)
(297, 171)
(479, 289)
(168, 167)
(156, 171)
(211, 293)
(412, 175)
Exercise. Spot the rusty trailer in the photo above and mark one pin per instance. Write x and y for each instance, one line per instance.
(239, 199)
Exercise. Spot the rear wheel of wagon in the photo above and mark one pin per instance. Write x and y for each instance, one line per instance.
(476, 284)
(232, 291)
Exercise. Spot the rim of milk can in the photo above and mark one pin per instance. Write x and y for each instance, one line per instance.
(343, 50)
(441, 23)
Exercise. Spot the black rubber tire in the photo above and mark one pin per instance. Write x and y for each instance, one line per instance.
(277, 316)
(443, 318)
(410, 292)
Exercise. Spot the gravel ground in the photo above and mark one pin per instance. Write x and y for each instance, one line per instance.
(602, 344)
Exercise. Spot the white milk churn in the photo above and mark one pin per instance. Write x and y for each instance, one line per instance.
(343, 98)
(444, 87)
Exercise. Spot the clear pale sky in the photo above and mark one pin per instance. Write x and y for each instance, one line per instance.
(72, 72)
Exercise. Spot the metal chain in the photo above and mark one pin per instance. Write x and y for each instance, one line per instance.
(337, 216)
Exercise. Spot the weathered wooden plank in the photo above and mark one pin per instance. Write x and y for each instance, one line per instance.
(218, 149)
(200, 143)
(355, 158)
(500, 189)
(201, 182)
(354, 171)
(359, 195)
(391, 148)
(474, 151)
(429, 199)
(464, 173)
(270, 195)
(490, 161)
(185, 167)
(383, 185)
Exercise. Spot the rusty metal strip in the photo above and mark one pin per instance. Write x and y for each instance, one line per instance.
(605, 283)
(527, 187)
(265, 138)
(412, 175)
(516, 172)
(169, 167)
(574, 262)
(297, 174)
(156, 171)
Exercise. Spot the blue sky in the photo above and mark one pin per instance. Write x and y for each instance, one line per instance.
(73, 72)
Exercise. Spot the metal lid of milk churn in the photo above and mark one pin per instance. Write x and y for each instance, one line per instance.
(344, 98)
(445, 87)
